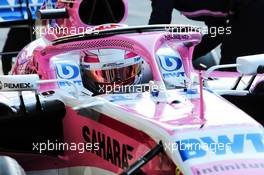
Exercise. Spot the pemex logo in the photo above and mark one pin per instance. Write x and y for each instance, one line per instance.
(1, 85)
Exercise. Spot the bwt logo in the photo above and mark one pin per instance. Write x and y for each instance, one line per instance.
(67, 71)
(253, 142)
(170, 63)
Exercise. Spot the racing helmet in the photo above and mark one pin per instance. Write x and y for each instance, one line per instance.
(104, 70)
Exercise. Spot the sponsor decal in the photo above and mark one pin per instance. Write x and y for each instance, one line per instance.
(68, 72)
(23, 57)
(237, 144)
(123, 97)
(110, 149)
(170, 63)
(119, 98)
(176, 37)
(17, 86)
(174, 74)
(18, 82)
(246, 166)
(106, 26)
(112, 65)
(171, 66)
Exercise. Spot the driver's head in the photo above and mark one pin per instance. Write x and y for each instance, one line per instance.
(105, 69)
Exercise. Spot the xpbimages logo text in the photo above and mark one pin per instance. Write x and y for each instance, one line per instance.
(63, 31)
(194, 146)
(59, 146)
(212, 31)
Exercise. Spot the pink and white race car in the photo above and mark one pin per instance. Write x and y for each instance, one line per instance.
(122, 100)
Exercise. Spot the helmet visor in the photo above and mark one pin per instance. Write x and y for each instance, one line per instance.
(92, 79)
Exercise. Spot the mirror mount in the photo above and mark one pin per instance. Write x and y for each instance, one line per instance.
(52, 14)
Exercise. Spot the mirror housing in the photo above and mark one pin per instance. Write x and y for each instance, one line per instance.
(249, 65)
(52, 13)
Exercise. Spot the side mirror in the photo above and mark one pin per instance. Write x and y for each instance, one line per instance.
(246, 65)
(249, 65)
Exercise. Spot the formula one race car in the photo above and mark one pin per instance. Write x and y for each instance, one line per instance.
(166, 123)
(122, 100)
